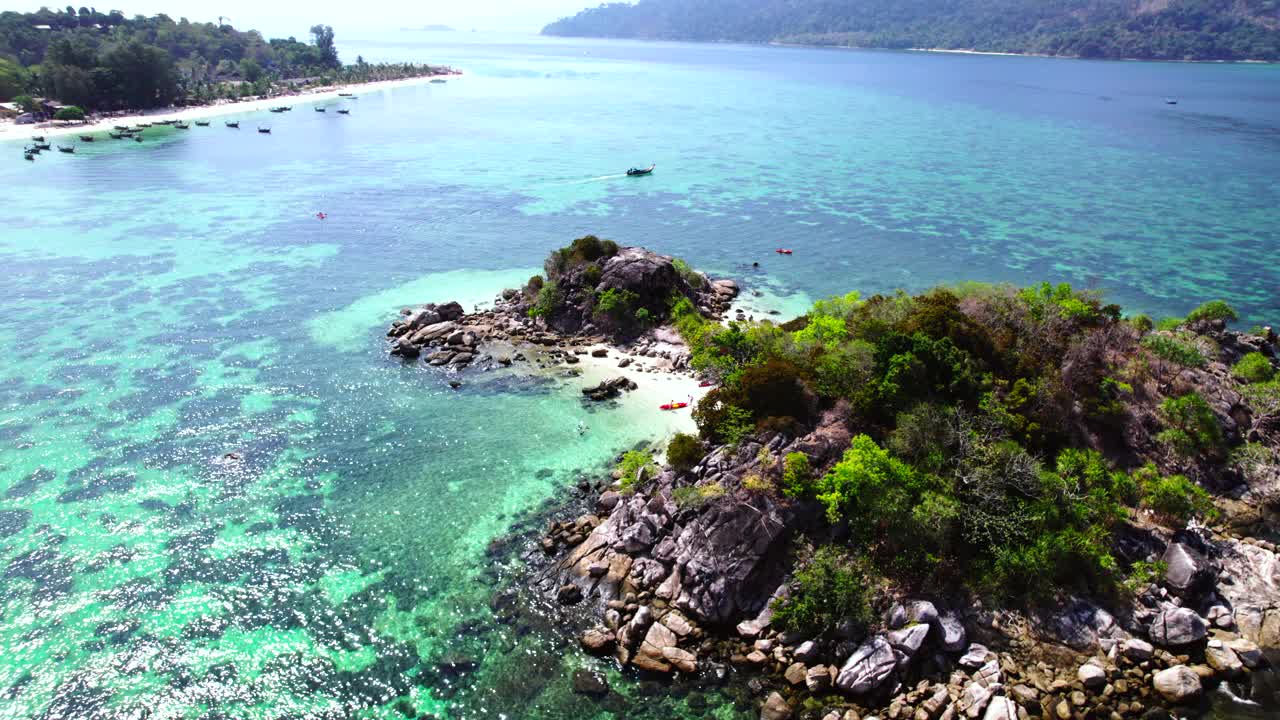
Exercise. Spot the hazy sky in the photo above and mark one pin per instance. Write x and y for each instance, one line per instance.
(293, 17)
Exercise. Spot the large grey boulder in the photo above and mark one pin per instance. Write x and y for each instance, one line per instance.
(868, 667)
(1178, 684)
(1176, 627)
(1092, 676)
(1188, 571)
(909, 639)
(1137, 650)
(775, 708)
(723, 554)
(950, 633)
(1001, 708)
(1250, 582)
(1081, 624)
(912, 611)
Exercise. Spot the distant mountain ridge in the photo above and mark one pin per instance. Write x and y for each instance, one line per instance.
(1145, 29)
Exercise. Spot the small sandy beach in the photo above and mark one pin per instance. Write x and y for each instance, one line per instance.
(10, 131)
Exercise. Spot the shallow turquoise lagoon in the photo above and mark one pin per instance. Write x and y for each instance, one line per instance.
(164, 304)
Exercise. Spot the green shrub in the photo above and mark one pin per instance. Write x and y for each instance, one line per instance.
(591, 274)
(695, 496)
(1142, 323)
(1254, 368)
(634, 469)
(70, 112)
(828, 588)
(535, 284)
(1174, 350)
(550, 298)
(757, 483)
(1213, 310)
(644, 318)
(683, 452)
(617, 305)
(1143, 574)
(580, 252)
(1254, 458)
(797, 476)
(1193, 428)
(868, 486)
(690, 276)
(845, 369)
(1175, 498)
(735, 425)
(1262, 398)
(1045, 299)
(1170, 324)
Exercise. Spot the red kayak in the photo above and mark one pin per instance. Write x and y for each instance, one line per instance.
(706, 383)
(673, 406)
(783, 251)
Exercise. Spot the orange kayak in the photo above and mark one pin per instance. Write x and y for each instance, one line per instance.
(673, 406)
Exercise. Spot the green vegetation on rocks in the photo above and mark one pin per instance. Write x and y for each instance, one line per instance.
(972, 409)
(684, 451)
(829, 587)
(1254, 368)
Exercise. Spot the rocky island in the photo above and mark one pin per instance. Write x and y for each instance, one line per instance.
(979, 501)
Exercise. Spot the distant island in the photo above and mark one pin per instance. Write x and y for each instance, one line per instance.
(1112, 29)
(430, 28)
(78, 62)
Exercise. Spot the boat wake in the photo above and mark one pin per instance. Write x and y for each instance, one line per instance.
(601, 178)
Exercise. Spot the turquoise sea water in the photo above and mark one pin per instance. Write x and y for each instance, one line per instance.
(167, 303)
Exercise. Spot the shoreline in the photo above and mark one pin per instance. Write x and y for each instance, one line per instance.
(11, 131)
(963, 51)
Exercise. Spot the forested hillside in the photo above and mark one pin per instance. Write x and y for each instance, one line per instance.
(1152, 29)
(107, 61)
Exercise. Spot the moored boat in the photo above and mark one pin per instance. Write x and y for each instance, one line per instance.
(233, 124)
(202, 123)
(320, 109)
(66, 149)
(438, 81)
(264, 130)
(38, 138)
(345, 95)
(29, 156)
(43, 146)
(86, 138)
(634, 172)
(181, 126)
(344, 112)
(121, 127)
(117, 135)
(137, 138)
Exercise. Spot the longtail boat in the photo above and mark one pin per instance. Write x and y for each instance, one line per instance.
(635, 172)
(66, 149)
